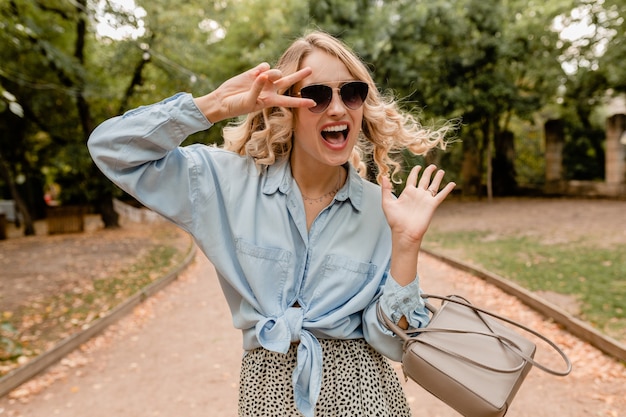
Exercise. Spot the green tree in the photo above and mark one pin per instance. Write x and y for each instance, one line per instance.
(595, 61)
(492, 64)
(487, 63)
(481, 61)
(41, 56)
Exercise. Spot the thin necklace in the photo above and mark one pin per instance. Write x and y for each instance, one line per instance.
(331, 193)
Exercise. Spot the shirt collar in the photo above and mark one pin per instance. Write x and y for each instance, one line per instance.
(277, 177)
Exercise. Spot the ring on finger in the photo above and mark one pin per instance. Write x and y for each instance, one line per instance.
(433, 192)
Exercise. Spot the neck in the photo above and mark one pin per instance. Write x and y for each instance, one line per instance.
(318, 184)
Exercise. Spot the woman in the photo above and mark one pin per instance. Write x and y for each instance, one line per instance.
(303, 246)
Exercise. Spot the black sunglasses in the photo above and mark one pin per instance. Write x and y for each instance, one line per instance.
(352, 94)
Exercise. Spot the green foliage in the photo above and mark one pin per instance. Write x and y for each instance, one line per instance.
(39, 67)
(485, 62)
(529, 154)
(10, 347)
(493, 64)
(583, 154)
(596, 59)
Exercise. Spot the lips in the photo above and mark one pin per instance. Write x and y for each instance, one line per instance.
(336, 134)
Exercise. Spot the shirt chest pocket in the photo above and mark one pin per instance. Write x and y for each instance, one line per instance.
(265, 269)
(341, 279)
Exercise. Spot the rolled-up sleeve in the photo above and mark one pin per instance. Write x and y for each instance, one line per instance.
(398, 301)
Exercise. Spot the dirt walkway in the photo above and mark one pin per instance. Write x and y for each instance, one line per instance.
(178, 355)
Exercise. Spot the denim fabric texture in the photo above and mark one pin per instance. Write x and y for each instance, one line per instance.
(251, 224)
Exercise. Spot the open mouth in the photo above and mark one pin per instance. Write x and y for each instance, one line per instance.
(336, 134)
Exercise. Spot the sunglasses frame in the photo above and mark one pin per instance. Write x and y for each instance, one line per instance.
(340, 88)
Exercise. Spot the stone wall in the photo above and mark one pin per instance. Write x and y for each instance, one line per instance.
(614, 184)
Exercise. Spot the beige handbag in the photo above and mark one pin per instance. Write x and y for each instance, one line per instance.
(467, 359)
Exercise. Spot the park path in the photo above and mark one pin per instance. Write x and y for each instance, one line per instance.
(178, 355)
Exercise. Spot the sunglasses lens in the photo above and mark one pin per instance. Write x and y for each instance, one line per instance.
(320, 94)
(353, 94)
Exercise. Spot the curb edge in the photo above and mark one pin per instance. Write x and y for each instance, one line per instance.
(40, 363)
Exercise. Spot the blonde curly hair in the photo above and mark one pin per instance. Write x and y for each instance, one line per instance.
(266, 136)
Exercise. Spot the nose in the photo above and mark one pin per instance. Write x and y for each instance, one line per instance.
(336, 105)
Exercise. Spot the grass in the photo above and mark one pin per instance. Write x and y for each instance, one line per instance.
(35, 328)
(594, 277)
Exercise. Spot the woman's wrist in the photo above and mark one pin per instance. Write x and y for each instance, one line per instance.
(211, 107)
(404, 257)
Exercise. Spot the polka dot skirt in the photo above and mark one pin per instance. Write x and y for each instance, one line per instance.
(356, 382)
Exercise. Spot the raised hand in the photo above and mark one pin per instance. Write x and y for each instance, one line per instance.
(409, 216)
(253, 90)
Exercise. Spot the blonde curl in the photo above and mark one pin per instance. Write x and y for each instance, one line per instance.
(267, 135)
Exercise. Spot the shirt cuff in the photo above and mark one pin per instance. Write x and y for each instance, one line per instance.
(397, 301)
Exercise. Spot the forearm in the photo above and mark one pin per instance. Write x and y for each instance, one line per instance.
(144, 134)
(404, 256)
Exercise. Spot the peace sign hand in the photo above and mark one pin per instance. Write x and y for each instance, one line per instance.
(253, 90)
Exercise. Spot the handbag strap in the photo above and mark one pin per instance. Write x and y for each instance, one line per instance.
(508, 343)
(404, 334)
(409, 337)
(462, 301)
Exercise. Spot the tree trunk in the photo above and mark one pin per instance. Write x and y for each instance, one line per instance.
(109, 216)
(104, 202)
(484, 152)
(137, 78)
(504, 182)
(470, 168)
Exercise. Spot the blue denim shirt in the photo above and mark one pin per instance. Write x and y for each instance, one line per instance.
(251, 225)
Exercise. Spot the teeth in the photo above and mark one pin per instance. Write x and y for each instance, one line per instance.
(338, 128)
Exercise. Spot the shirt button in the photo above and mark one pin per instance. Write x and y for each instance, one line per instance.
(406, 300)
